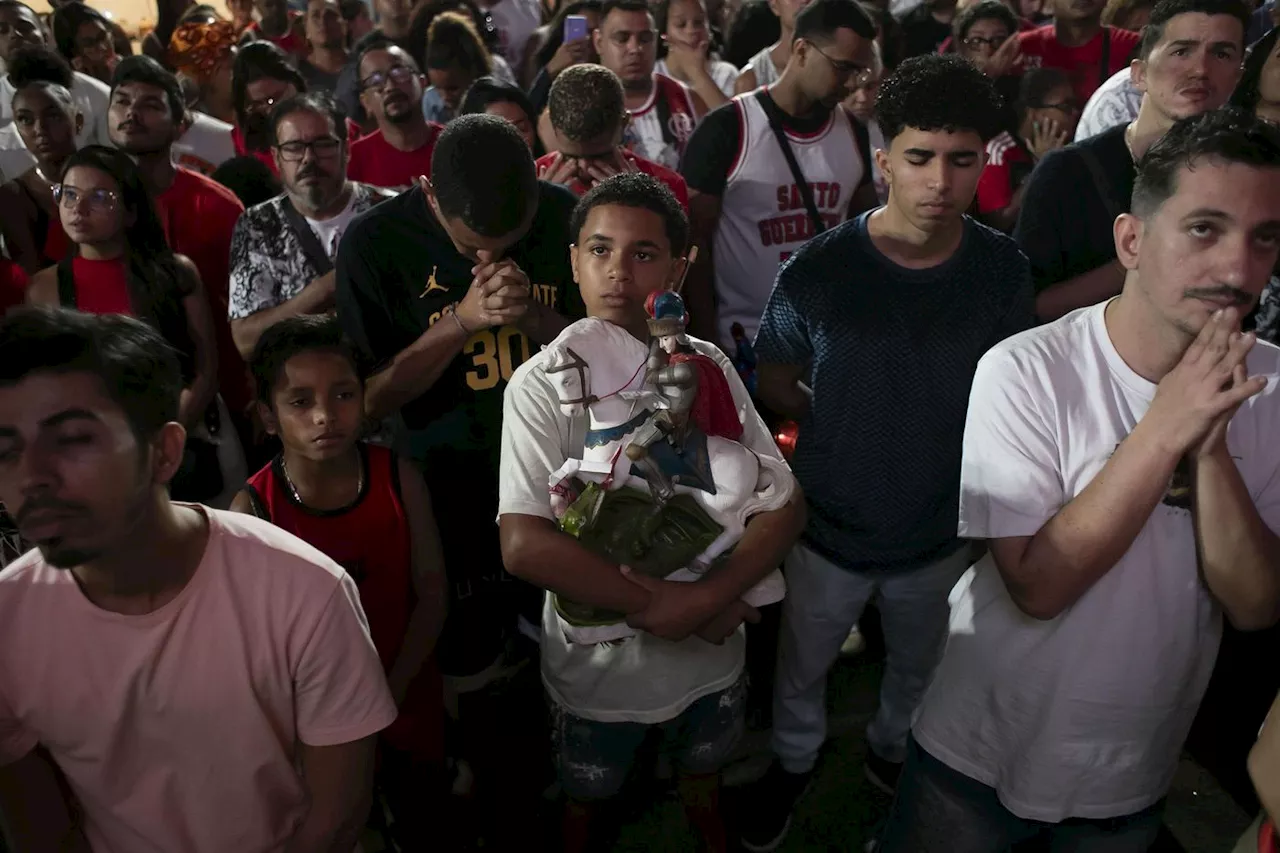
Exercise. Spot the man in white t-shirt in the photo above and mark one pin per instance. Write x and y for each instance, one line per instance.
(1121, 463)
(683, 670)
(204, 681)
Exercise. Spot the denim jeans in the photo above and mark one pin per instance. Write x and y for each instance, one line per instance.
(940, 809)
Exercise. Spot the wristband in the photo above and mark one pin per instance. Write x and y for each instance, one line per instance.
(453, 311)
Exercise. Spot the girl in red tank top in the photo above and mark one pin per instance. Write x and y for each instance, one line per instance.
(359, 505)
(121, 264)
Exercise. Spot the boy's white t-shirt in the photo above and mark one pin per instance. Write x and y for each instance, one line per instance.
(643, 679)
(1083, 715)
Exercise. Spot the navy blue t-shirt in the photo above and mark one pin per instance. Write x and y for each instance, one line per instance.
(892, 353)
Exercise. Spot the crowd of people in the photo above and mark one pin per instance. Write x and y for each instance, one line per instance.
(279, 422)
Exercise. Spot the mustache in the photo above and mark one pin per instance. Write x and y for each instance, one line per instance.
(312, 171)
(129, 124)
(44, 505)
(1225, 291)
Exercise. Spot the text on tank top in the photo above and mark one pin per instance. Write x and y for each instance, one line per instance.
(763, 217)
(369, 538)
(659, 129)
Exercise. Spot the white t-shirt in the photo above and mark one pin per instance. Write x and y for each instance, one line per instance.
(723, 74)
(14, 156)
(642, 679)
(329, 231)
(91, 95)
(1115, 102)
(1083, 715)
(205, 146)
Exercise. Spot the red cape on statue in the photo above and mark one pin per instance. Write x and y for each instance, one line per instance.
(713, 411)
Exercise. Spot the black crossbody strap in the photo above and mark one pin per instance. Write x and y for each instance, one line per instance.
(806, 191)
(311, 247)
(1105, 71)
(66, 283)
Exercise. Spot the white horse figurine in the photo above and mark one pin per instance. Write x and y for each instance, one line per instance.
(599, 368)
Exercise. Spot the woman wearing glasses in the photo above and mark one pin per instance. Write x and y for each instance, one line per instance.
(48, 120)
(121, 264)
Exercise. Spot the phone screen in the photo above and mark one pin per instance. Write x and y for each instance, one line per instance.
(575, 28)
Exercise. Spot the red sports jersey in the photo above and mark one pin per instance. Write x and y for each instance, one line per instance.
(371, 540)
(375, 161)
(1085, 64)
(672, 179)
(291, 42)
(1008, 164)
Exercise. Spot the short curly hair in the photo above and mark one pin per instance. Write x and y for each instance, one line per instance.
(586, 102)
(635, 189)
(939, 92)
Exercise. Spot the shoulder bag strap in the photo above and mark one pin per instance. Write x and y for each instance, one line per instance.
(311, 247)
(66, 283)
(863, 136)
(1100, 181)
(1105, 71)
(806, 191)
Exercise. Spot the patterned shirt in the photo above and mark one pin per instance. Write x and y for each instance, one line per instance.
(268, 264)
(1115, 103)
(882, 482)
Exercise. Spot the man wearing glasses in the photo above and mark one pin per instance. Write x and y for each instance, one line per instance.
(399, 151)
(752, 201)
(282, 250)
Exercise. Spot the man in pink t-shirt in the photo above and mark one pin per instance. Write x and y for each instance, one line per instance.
(203, 680)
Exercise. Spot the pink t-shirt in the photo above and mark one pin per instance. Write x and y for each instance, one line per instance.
(177, 729)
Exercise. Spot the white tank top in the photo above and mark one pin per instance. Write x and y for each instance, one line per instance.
(762, 214)
(762, 65)
(646, 134)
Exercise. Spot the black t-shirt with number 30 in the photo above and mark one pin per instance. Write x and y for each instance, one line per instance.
(398, 271)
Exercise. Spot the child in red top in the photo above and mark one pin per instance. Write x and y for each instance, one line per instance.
(1079, 44)
(370, 512)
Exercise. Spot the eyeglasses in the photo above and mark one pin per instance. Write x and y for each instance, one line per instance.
(322, 146)
(397, 74)
(978, 41)
(844, 70)
(98, 200)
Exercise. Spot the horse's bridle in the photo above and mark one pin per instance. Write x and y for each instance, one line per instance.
(576, 362)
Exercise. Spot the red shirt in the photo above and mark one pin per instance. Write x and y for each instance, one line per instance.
(291, 42)
(375, 161)
(13, 285)
(1084, 65)
(198, 215)
(102, 287)
(997, 184)
(674, 181)
(371, 540)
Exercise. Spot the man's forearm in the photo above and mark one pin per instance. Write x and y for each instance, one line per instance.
(415, 368)
(534, 550)
(1088, 536)
(339, 783)
(1239, 555)
(768, 538)
(1086, 289)
(790, 398)
(34, 815)
(246, 330)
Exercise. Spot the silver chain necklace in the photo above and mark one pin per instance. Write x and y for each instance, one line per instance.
(293, 490)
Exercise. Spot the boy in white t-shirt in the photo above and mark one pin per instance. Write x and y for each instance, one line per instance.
(682, 672)
(1122, 465)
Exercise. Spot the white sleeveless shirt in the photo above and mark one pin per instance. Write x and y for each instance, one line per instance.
(762, 64)
(762, 213)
